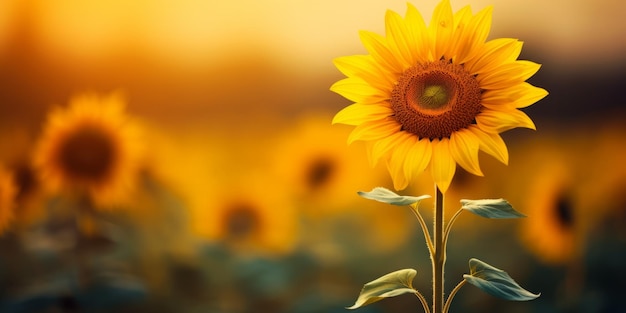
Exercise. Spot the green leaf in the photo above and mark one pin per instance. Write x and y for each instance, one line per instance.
(385, 195)
(491, 208)
(496, 282)
(390, 285)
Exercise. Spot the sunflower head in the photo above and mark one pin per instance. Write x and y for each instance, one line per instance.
(430, 97)
(249, 218)
(315, 164)
(556, 231)
(92, 147)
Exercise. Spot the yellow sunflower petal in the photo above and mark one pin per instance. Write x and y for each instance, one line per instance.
(503, 120)
(494, 53)
(374, 130)
(464, 148)
(397, 38)
(418, 157)
(492, 144)
(461, 19)
(528, 94)
(418, 33)
(366, 68)
(442, 164)
(357, 113)
(376, 45)
(397, 161)
(383, 146)
(358, 90)
(473, 35)
(442, 29)
(518, 96)
(508, 75)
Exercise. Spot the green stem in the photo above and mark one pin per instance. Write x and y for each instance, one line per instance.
(451, 296)
(439, 257)
(446, 232)
(423, 301)
(429, 241)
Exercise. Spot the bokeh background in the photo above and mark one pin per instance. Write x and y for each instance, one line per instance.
(247, 201)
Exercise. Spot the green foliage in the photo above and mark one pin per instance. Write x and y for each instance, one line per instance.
(390, 285)
(385, 195)
(496, 282)
(491, 208)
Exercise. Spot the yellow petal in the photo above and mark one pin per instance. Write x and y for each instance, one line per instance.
(508, 74)
(358, 90)
(473, 34)
(357, 113)
(442, 164)
(383, 146)
(419, 42)
(493, 53)
(397, 38)
(461, 19)
(492, 144)
(418, 157)
(366, 68)
(497, 121)
(518, 96)
(441, 29)
(376, 45)
(374, 130)
(464, 148)
(396, 163)
(528, 94)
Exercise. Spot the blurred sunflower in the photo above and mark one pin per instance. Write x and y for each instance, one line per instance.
(8, 193)
(249, 217)
(552, 201)
(432, 97)
(91, 147)
(315, 164)
(16, 145)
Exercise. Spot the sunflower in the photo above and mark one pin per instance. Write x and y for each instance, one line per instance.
(248, 217)
(92, 147)
(317, 168)
(8, 193)
(433, 96)
(553, 234)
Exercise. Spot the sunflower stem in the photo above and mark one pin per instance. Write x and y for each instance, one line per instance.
(446, 232)
(439, 257)
(429, 241)
(423, 301)
(456, 289)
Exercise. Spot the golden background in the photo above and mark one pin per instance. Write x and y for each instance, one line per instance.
(234, 98)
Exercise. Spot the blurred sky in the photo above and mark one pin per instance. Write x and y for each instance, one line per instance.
(192, 61)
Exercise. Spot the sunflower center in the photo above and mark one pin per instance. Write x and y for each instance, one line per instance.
(434, 97)
(241, 220)
(564, 212)
(320, 171)
(434, 100)
(87, 154)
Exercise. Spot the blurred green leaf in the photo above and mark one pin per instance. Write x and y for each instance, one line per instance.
(491, 208)
(385, 195)
(390, 285)
(496, 282)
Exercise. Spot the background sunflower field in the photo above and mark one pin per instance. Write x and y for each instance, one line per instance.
(241, 195)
